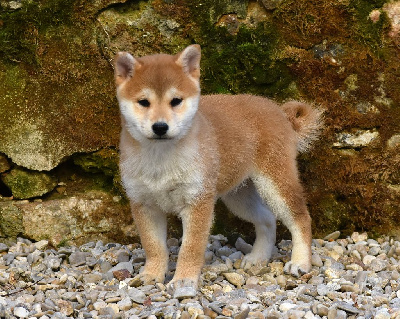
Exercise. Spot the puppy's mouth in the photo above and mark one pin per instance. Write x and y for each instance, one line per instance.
(160, 138)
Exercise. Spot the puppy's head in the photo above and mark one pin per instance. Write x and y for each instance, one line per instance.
(158, 94)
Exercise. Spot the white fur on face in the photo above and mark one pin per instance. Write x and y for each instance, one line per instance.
(139, 119)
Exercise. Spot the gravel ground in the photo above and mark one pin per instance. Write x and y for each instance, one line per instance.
(355, 277)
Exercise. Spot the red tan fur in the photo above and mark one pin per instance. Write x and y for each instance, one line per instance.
(180, 152)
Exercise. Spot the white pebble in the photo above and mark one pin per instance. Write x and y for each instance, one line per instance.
(368, 259)
(382, 314)
(99, 305)
(21, 312)
(286, 306)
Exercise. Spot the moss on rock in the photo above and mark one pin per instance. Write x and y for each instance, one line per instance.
(10, 220)
(27, 184)
(56, 88)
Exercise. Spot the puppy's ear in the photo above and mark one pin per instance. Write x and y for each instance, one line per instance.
(124, 67)
(189, 60)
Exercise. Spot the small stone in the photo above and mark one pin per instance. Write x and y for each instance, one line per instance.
(226, 312)
(332, 236)
(209, 312)
(242, 246)
(368, 259)
(99, 305)
(78, 258)
(309, 315)
(92, 278)
(333, 273)
(382, 314)
(3, 247)
(122, 266)
(243, 314)
(108, 311)
(296, 314)
(316, 260)
(172, 242)
(290, 285)
(347, 307)
(235, 279)
(65, 307)
(395, 275)
(185, 292)
(42, 244)
(354, 267)
(276, 268)
(236, 256)
(223, 251)
(378, 265)
(184, 315)
(332, 313)
(281, 280)
(322, 310)
(374, 250)
(357, 237)
(125, 304)
(122, 274)
(122, 256)
(305, 298)
(209, 256)
(349, 288)
(340, 314)
(21, 312)
(286, 306)
(53, 263)
(136, 295)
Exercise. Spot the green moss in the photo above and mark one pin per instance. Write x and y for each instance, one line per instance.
(27, 184)
(20, 29)
(103, 161)
(335, 215)
(10, 220)
(365, 30)
(63, 243)
(103, 166)
(243, 62)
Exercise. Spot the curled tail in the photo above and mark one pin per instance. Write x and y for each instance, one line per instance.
(306, 121)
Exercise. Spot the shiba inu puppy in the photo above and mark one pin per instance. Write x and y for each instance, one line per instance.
(180, 152)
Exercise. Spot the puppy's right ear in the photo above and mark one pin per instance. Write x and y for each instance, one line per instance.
(124, 67)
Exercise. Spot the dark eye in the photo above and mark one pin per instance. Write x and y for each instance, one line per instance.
(175, 101)
(144, 102)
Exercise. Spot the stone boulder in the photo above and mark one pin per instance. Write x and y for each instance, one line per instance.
(77, 219)
(25, 184)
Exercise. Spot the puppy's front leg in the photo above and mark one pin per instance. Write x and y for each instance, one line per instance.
(196, 221)
(152, 227)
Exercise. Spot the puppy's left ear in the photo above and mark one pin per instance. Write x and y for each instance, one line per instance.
(124, 67)
(189, 60)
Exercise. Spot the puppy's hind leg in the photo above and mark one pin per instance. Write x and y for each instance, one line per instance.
(284, 195)
(247, 204)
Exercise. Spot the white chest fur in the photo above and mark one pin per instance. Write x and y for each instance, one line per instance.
(162, 174)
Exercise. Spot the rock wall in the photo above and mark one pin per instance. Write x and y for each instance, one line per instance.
(59, 120)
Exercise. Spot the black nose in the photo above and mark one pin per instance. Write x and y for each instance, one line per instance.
(160, 128)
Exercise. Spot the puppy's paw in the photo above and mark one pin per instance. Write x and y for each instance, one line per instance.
(182, 288)
(144, 279)
(295, 269)
(252, 259)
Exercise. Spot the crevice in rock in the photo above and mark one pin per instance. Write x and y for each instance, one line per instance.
(4, 190)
